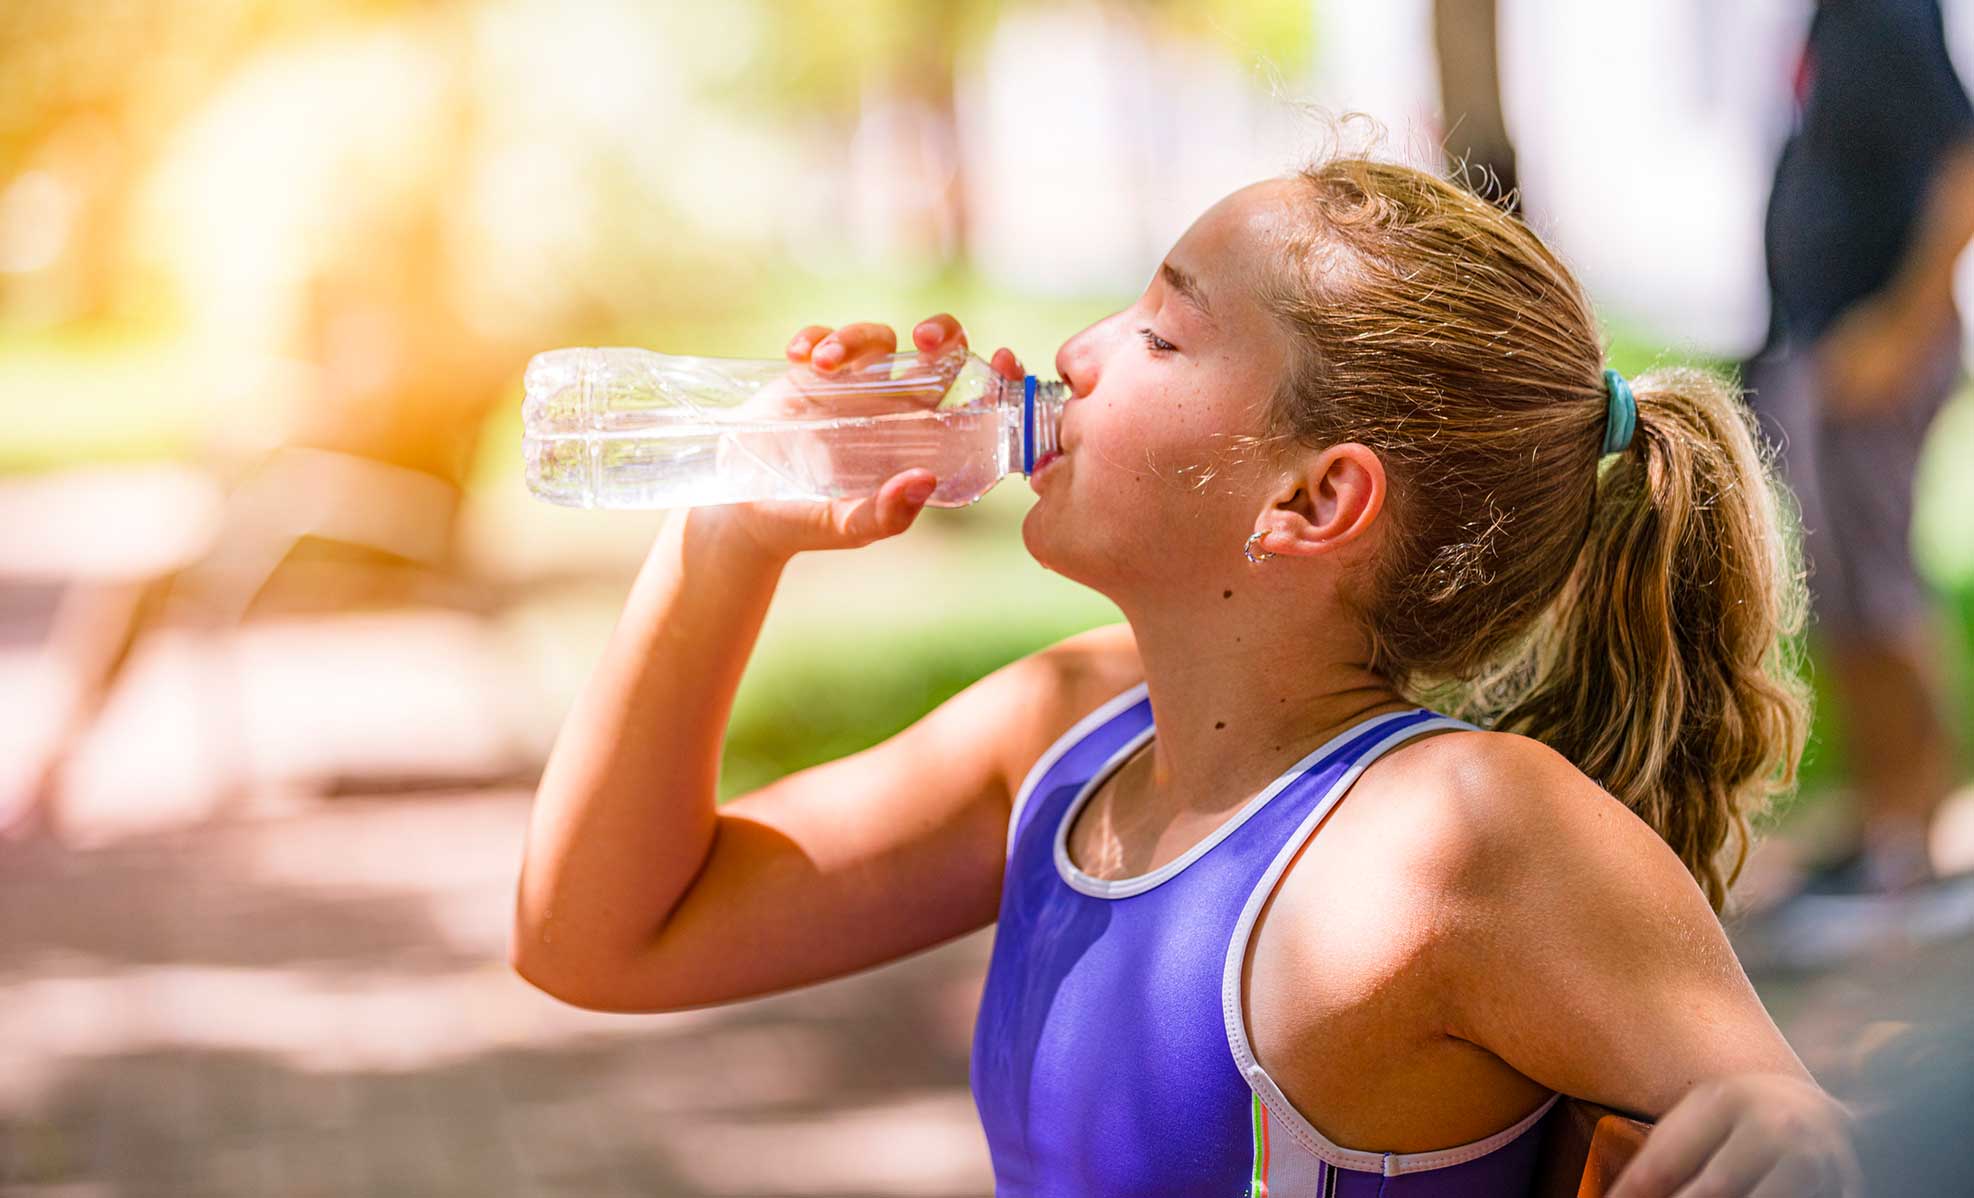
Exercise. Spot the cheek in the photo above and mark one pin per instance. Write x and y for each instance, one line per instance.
(1173, 447)
(1140, 503)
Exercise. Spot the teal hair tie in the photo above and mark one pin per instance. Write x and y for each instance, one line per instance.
(1621, 416)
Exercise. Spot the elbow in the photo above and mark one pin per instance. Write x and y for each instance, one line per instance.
(587, 986)
(527, 957)
(541, 954)
(586, 996)
(526, 963)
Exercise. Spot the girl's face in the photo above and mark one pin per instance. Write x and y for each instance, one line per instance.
(1153, 484)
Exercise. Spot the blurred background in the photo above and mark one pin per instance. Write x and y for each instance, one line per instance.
(284, 640)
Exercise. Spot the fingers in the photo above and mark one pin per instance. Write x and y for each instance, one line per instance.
(1794, 1178)
(853, 345)
(936, 334)
(1742, 1161)
(805, 341)
(1678, 1147)
(827, 350)
(889, 512)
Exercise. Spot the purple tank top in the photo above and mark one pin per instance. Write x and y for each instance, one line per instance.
(1111, 1055)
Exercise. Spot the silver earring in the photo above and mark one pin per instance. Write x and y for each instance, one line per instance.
(1249, 549)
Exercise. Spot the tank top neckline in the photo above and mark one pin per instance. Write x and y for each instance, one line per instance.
(1050, 932)
(1117, 888)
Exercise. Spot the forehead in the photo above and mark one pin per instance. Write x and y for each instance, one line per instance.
(1228, 246)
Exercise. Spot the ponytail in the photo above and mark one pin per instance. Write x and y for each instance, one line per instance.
(1640, 611)
(1667, 668)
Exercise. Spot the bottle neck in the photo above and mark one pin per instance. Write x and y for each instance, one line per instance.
(1041, 418)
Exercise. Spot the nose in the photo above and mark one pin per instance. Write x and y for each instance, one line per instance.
(1076, 362)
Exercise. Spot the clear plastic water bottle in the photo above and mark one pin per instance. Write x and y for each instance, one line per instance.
(632, 428)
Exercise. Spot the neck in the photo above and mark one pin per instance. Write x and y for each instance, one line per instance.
(1236, 704)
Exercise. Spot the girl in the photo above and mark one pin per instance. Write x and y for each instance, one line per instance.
(1354, 448)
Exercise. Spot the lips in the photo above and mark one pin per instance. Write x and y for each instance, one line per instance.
(1042, 463)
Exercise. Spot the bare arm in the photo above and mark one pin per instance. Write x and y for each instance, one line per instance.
(623, 817)
(1587, 958)
(1867, 356)
(854, 862)
(1925, 279)
(832, 869)
(637, 895)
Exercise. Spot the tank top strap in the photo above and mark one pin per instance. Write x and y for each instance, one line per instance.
(1077, 754)
(1326, 786)
(1304, 793)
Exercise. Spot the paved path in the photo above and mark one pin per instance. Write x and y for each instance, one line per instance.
(305, 994)
(315, 1001)
(318, 1003)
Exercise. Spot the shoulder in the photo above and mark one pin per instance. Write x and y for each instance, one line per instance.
(1496, 820)
(1045, 694)
(1562, 934)
(1074, 676)
(1099, 663)
(1524, 878)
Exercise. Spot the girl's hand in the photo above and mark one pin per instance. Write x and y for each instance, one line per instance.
(1759, 1135)
(783, 528)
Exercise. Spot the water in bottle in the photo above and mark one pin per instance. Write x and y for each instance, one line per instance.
(632, 428)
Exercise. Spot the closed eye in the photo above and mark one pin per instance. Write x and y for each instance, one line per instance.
(1156, 343)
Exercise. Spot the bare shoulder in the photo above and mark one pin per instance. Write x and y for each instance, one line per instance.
(1063, 683)
(1555, 929)
(1021, 709)
(1096, 665)
(1499, 817)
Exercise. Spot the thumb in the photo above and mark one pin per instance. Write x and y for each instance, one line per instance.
(892, 510)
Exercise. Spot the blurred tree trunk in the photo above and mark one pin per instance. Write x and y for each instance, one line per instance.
(907, 194)
(1478, 148)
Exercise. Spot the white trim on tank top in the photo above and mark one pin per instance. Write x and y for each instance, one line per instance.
(1304, 1133)
(1117, 888)
(1068, 740)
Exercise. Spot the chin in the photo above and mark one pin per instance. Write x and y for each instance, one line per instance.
(1035, 538)
(1051, 554)
(1031, 540)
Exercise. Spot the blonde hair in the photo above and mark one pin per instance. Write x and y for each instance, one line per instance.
(1639, 615)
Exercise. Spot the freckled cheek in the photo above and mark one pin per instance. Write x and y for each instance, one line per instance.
(1155, 432)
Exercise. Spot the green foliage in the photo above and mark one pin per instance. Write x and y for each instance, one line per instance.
(830, 680)
(803, 709)
(816, 59)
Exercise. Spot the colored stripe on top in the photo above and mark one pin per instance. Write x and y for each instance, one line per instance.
(1258, 1185)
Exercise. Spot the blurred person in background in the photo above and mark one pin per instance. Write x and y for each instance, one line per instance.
(1873, 202)
(1428, 483)
(1479, 151)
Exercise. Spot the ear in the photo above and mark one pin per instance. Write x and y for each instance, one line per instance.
(1332, 502)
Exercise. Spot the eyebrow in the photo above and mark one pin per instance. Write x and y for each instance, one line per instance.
(1187, 286)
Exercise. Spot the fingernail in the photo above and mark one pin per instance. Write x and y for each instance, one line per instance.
(919, 492)
(799, 345)
(829, 354)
